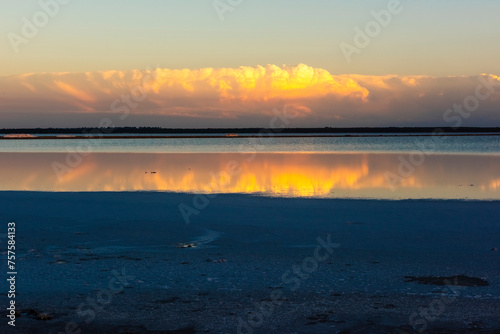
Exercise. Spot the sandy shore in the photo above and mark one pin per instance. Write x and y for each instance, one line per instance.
(128, 263)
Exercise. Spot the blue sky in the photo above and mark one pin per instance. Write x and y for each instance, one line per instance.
(457, 37)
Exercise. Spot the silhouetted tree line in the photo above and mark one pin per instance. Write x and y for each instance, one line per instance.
(326, 130)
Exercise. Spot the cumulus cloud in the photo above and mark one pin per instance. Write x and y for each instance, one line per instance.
(244, 96)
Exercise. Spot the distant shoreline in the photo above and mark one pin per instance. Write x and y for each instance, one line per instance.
(250, 131)
(248, 136)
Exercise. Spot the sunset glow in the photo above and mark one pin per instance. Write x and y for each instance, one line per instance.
(245, 96)
(294, 175)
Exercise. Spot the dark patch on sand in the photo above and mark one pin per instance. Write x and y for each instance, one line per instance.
(167, 301)
(95, 258)
(319, 318)
(142, 330)
(89, 258)
(33, 314)
(458, 280)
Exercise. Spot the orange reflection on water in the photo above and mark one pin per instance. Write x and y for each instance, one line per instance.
(277, 174)
(300, 176)
(494, 185)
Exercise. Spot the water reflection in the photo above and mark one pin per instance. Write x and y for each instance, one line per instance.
(304, 175)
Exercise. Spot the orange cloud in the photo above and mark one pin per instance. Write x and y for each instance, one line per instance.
(75, 92)
(245, 92)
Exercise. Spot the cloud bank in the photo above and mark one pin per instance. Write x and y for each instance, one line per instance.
(246, 96)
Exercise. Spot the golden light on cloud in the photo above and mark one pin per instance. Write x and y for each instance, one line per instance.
(74, 92)
(231, 93)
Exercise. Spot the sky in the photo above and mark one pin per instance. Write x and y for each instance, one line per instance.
(232, 63)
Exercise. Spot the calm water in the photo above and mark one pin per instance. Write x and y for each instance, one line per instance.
(469, 144)
(355, 167)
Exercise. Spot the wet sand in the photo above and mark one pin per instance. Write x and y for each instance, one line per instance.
(129, 263)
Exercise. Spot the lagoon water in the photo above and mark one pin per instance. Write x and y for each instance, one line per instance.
(341, 167)
(328, 175)
(267, 143)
